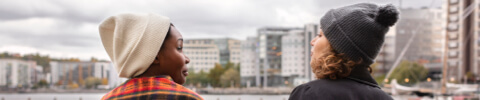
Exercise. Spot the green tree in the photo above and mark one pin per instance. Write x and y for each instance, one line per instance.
(378, 77)
(214, 75)
(471, 77)
(198, 79)
(229, 65)
(93, 59)
(92, 82)
(413, 72)
(4, 55)
(42, 60)
(42, 83)
(238, 67)
(230, 77)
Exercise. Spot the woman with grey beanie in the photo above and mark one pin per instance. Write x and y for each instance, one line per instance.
(349, 40)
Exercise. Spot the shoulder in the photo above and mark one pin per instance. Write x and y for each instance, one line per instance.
(312, 91)
(340, 89)
(183, 91)
(161, 90)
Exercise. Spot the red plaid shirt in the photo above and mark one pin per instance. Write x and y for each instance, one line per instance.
(151, 88)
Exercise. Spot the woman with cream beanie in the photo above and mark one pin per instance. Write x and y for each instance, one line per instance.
(146, 48)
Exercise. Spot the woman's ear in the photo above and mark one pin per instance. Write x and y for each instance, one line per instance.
(156, 60)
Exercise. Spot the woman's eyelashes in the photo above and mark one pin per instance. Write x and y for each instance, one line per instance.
(180, 45)
(179, 48)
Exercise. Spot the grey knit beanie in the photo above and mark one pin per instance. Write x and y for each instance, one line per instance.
(358, 31)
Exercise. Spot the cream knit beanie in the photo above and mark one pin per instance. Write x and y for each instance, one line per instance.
(133, 40)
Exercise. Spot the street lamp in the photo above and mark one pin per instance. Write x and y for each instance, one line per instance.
(452, 79)
(407, 80)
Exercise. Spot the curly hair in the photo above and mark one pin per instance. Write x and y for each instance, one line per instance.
(333, 65)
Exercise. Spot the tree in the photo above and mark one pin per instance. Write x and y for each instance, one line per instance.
(379, 77)
(470, 77)
(238, 67)
(214, 75)
(44, 61)
(230, 77)
(42, 83)
(92, 82)
(229, 65)
(197, 79)
(73, 86)
(93, 59)
(104, 81)
(409, 73)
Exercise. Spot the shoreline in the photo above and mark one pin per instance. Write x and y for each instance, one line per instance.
(202, 91)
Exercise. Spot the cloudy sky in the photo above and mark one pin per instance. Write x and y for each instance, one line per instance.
(68, 28)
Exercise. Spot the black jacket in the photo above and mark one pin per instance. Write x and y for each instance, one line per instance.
(358, 86)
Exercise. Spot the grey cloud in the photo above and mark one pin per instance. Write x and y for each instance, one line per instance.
(192, 18)
(45, 41)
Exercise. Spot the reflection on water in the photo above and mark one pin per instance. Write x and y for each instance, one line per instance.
(98, 96)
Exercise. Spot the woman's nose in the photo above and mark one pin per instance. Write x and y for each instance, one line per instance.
(187, 60)
(313, 41)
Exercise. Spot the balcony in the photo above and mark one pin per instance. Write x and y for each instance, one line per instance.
(452, 26)
(453, 45)
(453, 9)
(453, 35)
(453, 18)
(452, 63)
(453, 1)
(453, 54)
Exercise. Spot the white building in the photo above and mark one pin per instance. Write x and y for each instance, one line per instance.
(279, 55)
(249, 69)
(64, 72)
(203, 54)
(386, 56)
(16, 73)
(311, 31)
(462, 38)
(293, 55)
(234, 49)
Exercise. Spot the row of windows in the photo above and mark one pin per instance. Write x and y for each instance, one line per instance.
(292, 40)
(198, 42)
(248, 60)
(292, 45)
(295, 52)
(288, 71)
(207, 52)
(293, 58)
(235, 58)
(199, 52)
(294, 70)
(203, 58)
(294, 64)
(204, 69)
(248, 72)
(202, 48)
(235, 53)
(203, 63)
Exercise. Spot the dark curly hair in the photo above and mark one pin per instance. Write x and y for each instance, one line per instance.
(333, 65)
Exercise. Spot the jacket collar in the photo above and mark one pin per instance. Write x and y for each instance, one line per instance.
(362, 75)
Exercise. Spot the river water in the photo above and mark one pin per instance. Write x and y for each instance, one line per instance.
(98, 96)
